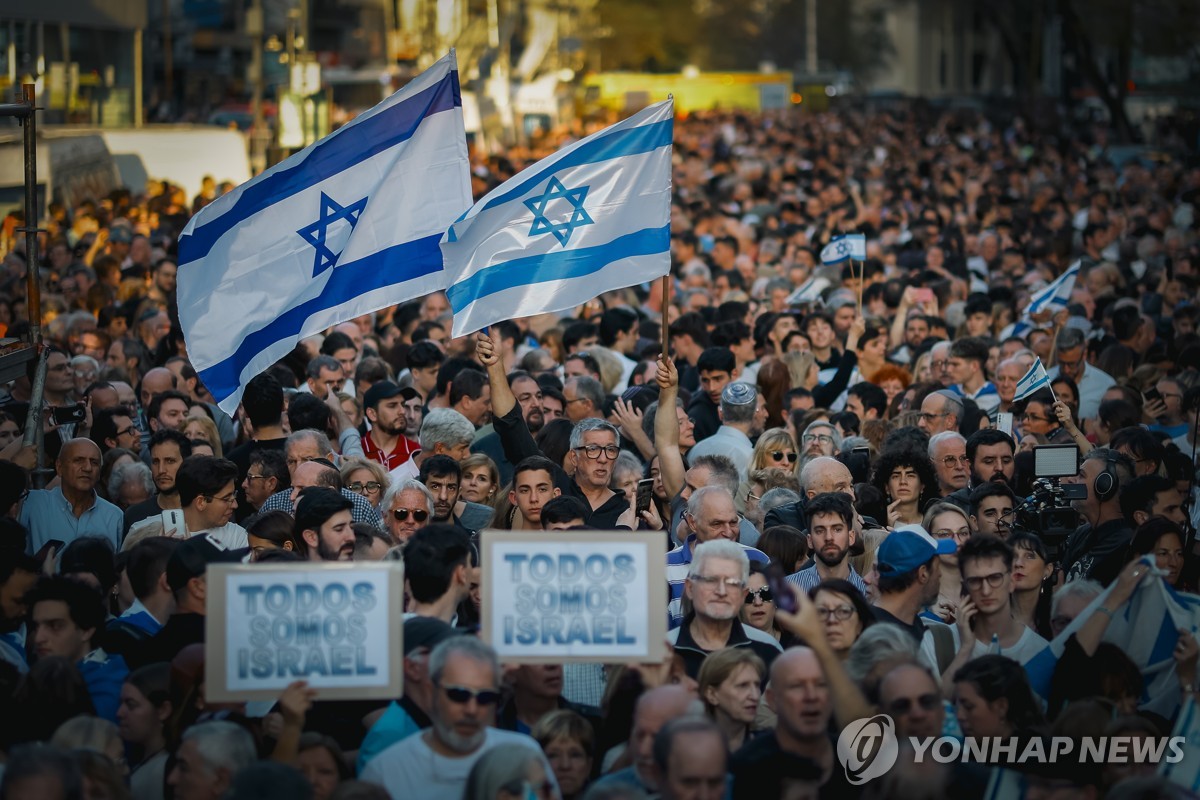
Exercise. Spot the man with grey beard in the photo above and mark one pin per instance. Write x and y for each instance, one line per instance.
(434, 764)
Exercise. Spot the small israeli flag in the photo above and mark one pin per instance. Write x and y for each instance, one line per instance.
(345, 227)
(1054, 297)
(1035, 379)
(852, 246)
(593, 217)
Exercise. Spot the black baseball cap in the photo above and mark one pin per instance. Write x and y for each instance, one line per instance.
(191, 559)
(384, 390)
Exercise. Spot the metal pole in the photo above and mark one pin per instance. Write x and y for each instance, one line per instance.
(33, 285)
(33, 294)
(137, 78)
(810, 48)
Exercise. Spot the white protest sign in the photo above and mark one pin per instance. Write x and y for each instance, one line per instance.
(337, 626)
(556, 596)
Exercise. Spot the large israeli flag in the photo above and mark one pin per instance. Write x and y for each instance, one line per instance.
(1146, 628)
(346, 226)
(593, 217)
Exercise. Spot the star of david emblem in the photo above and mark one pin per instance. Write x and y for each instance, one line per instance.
(842, 248)
(330, 243)
(542, 223)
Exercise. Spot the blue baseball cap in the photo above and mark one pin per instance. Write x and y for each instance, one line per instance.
(908, 547)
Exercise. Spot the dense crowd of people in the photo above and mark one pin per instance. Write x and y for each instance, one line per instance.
(839, 458)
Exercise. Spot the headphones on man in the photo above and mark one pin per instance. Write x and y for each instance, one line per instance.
(1107, 484)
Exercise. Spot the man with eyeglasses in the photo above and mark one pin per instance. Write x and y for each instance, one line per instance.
(267, 474)
(1070, 358)
(985, 622)
(321, 472)
(208, 496)
(594, 445)
(940, 412)
(913, 698)
(830, 537)
(743, 416)
(939, 364)
(583, 398)
(819, 439)
(113, 427)
(716, 586)
(948, 452)
(434, 764)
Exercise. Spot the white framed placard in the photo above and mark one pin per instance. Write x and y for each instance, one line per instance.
(574, 596)
(338, 626)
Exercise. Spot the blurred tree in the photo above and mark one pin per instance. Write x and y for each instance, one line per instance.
(664, 35)
(1101, 37)
(851, 36)
(647, 35)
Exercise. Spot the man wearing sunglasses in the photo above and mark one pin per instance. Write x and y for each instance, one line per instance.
(434, 764)
(408, 505)
(913, 698)
(985, 621)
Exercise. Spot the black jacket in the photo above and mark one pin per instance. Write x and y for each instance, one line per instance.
(739, 636)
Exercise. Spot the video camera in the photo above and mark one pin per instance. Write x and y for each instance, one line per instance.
(1047, 513)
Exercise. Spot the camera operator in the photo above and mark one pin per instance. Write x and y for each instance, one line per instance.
(1096, 550)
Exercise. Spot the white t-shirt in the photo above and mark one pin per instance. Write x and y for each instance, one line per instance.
(411, 769)
(232, 535)
(1028, 646)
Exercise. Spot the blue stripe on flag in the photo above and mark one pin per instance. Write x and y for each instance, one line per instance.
(629, 142)
(388, 267)
(1164, 645)
(327, 158)
(558, 266)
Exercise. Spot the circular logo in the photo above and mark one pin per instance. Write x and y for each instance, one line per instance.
(867, 748)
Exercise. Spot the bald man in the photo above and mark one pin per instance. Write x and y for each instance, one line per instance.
(800, 746)
(653, 711)
(822, 474)
(72, 510)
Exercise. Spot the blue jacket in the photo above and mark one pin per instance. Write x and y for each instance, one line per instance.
(104, 676)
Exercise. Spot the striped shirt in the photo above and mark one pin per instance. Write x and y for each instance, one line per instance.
(807, 578)
(679, 561)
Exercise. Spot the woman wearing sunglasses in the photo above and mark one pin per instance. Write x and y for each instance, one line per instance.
(775, 450)
(843, 611)
(759, 609)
